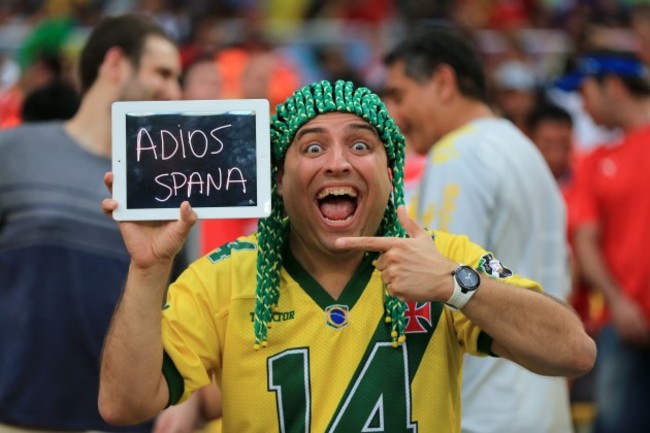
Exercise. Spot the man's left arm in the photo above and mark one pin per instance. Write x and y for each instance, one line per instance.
(532, 329)
(527, 327)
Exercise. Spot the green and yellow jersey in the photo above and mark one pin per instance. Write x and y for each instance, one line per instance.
(329, 365)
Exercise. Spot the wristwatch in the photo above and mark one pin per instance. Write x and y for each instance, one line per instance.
(466, 284)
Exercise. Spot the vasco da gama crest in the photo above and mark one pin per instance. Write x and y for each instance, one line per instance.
(493, 267)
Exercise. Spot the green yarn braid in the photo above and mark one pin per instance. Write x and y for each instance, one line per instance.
(298, 109)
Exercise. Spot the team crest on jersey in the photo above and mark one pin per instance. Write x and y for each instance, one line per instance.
(337, 316)
(418, 317)
(493, 267)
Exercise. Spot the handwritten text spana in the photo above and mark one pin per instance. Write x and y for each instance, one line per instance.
(187, 145)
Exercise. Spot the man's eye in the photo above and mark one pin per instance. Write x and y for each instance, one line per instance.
(313, 148)
(360, 145)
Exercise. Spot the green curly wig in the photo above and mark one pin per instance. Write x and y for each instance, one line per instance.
(305, 104)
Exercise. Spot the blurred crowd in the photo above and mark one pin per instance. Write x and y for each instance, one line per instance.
(266, 49)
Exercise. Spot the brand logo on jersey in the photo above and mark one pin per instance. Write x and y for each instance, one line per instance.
(608, 167)
(279, 316)
(493, 267)
(337, 316)
(417, 315)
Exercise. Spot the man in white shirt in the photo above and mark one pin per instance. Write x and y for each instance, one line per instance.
(484, 178)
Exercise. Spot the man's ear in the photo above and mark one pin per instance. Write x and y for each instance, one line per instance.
(114, 64)
(446, 82)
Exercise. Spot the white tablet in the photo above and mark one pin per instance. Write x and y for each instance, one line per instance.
(215, 154)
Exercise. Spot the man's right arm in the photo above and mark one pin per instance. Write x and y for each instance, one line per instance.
(132, 386)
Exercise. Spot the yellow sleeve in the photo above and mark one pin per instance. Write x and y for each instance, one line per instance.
(189, 329)
(460, 249)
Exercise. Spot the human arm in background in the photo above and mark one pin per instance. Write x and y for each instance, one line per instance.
(627, 317)
(211, 402)
(183, 418)
(530, 328)
(202, 406)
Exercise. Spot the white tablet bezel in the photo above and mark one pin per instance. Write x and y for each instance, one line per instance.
(260, 107)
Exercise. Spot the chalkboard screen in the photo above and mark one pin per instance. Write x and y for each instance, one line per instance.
(215, 154)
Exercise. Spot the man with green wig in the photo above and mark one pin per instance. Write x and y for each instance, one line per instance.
(340, 314)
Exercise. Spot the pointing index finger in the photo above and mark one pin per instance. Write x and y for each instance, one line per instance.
(365, 243)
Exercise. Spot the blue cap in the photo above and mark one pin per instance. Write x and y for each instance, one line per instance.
(599, 65)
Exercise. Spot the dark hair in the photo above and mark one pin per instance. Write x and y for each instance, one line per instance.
(547, 111)
(128, 32)
(55, 100)
(429, 47)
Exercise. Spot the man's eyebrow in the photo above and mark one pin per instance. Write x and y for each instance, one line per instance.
(361, 125)
(309, 130)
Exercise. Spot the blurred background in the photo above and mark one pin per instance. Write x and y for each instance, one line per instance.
(267, 49)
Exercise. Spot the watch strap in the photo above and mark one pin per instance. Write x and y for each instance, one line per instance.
(459, 298)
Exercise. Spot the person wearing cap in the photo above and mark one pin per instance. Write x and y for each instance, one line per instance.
(340, 313)
(484, 178)
(612, 210)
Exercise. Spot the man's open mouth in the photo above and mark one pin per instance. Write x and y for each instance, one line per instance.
(337, 203)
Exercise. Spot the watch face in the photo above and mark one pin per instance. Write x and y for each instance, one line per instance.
(467, 278)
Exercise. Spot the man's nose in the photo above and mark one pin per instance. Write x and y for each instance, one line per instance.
(337, 159)
(172, 91)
